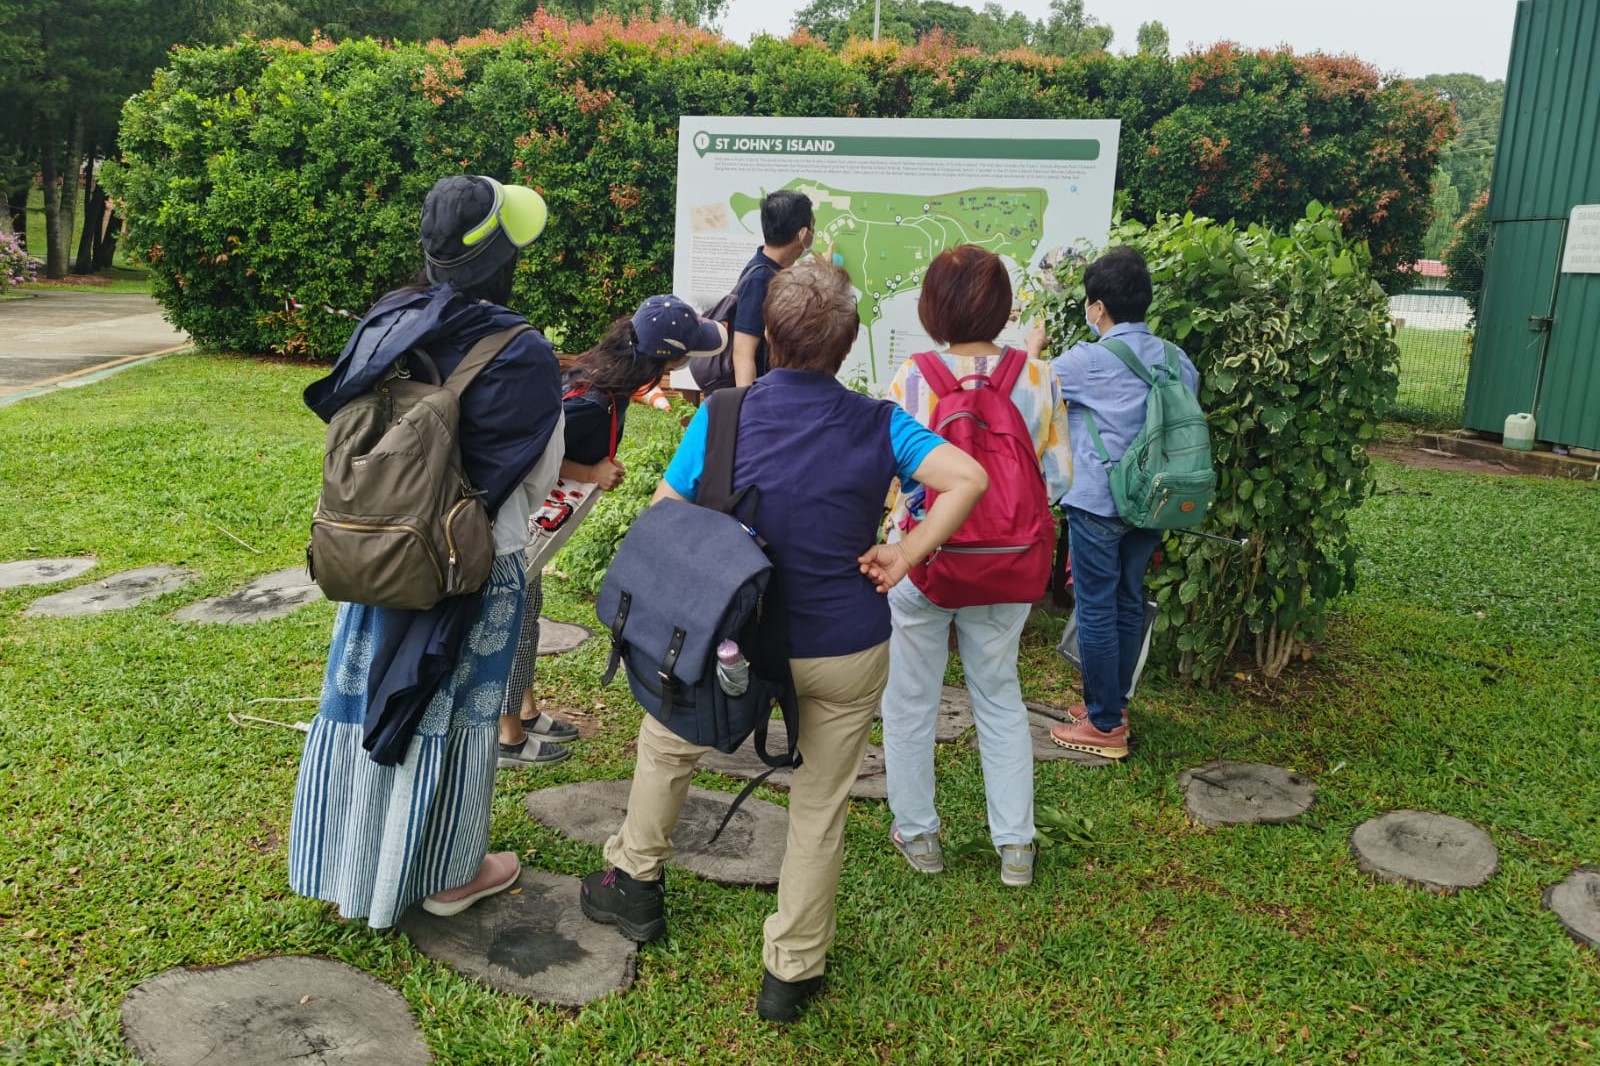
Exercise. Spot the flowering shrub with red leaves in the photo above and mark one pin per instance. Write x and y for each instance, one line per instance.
(271, 170)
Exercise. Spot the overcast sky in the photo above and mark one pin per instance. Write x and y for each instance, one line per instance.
(1406, 37)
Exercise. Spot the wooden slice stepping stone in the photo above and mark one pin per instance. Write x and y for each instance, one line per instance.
(1436, 851)
(1576, 901)
(127, 589)
(43, 571)
(955, 715)
(532, 941)
(284, 1011)
(746, 765)
(269, 596)
(1245, 793)
(749, 851)
(558, 638)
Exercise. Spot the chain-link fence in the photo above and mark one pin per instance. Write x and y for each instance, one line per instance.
(1434, 329)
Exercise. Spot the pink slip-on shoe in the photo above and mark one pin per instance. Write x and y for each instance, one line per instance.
(1080, 734)
(499, 872)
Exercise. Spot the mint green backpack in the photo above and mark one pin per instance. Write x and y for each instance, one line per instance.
(1164, 480)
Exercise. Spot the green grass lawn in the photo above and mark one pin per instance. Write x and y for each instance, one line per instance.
(1433, 375)
(143, 830)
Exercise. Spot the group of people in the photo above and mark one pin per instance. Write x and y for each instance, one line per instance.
(376, 839)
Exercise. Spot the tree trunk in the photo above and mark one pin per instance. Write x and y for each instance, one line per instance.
(105, 249)
(71, 166)
(91, 221)
(17, 213)
(5, 213)
(55, 241)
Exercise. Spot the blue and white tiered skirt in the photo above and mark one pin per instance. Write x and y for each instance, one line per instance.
(376, 839)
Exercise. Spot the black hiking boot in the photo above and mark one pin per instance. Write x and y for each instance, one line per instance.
(780, 1000)
(637, 908)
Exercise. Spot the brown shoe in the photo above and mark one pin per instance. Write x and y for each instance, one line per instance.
(1077, 733)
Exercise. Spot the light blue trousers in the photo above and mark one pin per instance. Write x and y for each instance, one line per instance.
(918, 650)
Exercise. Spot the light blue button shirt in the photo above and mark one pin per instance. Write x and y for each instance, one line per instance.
(1095, 380)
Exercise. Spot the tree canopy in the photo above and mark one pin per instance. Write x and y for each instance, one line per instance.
(1066, 31)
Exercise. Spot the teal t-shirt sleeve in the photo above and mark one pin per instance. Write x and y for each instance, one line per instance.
(911, 442)
(689, 462)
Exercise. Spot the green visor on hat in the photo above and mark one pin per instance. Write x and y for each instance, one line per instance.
(517, 210)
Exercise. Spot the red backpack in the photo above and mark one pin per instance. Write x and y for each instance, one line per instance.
(1003, 552)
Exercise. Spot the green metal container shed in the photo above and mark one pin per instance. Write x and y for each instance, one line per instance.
(1537, 347)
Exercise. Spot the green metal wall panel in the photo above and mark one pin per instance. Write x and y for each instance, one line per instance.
(1519, 283)
(1548, 157)
(1569, 389)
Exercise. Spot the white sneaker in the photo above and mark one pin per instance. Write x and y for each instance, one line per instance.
(1016, 864)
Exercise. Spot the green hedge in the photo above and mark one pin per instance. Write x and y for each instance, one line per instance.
(265, 171)
(1298, 365)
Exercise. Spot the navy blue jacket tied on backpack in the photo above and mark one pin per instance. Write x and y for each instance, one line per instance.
(686, 577)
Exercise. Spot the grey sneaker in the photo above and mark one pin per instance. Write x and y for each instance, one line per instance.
(532, 752)
(1016, 864)
(921, 851)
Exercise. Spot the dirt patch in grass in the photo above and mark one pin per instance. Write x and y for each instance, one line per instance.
(1432, 459)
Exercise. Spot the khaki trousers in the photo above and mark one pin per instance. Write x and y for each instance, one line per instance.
(838, 700)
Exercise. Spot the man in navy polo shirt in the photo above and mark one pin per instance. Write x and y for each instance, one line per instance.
(788, 226)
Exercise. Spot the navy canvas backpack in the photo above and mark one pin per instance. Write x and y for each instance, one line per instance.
(687, 577)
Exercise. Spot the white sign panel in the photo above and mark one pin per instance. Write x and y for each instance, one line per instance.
(890, 195)
(1583, 241)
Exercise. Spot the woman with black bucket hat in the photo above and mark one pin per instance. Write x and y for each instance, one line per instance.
(393, 800)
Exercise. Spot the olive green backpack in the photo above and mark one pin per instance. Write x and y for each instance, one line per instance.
(1164, 480)
(398, 524)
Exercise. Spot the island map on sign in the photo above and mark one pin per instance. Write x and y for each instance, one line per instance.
(887, 240)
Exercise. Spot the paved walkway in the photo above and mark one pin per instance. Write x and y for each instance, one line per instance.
(61, 338)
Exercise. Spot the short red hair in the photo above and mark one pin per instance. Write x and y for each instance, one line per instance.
(966, 296)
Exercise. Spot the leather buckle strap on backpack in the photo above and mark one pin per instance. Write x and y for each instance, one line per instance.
(623, 605)
(668, 662)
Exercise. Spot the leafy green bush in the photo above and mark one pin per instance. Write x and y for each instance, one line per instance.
(646, 449)
(265, 172)
(1298, 364)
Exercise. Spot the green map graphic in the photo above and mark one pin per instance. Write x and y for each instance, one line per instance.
(888, 239)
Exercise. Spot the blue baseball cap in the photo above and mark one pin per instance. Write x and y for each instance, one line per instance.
(666, 327)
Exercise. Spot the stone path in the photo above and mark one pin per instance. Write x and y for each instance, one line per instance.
(1576, 901)
(1245, 793)
(43, 571)
(746, 765)
(1435, 851)
(558, 638)
(269, 596)
(532, 941)
(127, 589)
(284, 1011)
(749, 852)
(60, 339)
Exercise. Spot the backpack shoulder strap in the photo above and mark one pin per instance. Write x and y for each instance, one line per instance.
(1004, 378)
(1173, 369)
(722, 435)
(936, 374)
(480, 356)
(1131, 361)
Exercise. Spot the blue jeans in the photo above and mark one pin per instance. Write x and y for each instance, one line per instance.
(918, 650)
(1109, 559)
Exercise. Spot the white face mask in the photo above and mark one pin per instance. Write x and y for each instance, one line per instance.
(1089, 320)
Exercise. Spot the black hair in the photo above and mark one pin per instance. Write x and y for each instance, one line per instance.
(614, 365)
(496, 289)
(1121, 280)
(783, 215)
